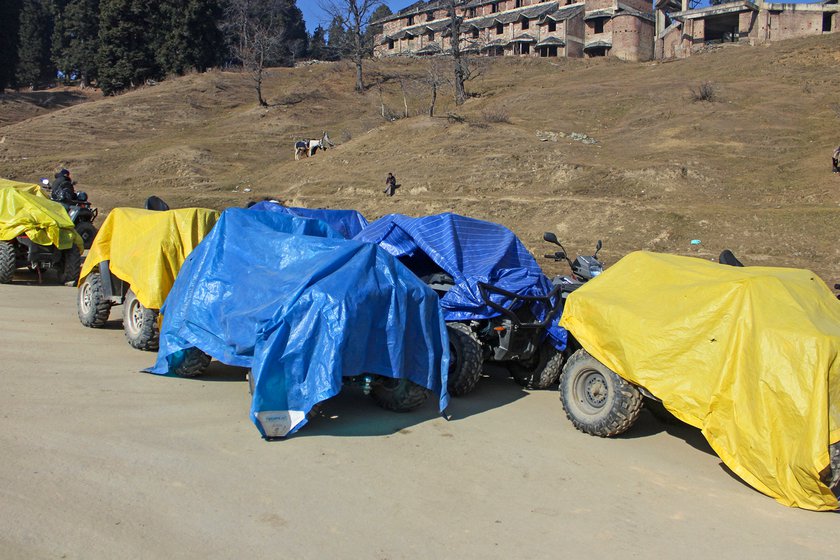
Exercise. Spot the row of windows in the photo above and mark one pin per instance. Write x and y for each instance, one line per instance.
(472, 12)
(500, 29)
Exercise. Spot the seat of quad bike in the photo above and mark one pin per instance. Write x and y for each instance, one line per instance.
(156, 203)
(728, 257)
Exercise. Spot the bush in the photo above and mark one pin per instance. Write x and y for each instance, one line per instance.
(704, 92)
(497, 115)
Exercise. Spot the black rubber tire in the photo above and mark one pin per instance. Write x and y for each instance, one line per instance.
(7, 262)
(88, 232)
(194, 363)
(91, 304)
(832, 477)
(465, 359)
(398, 395)
(140, 324)
(541, 371)
(71, 266)
(596, 400)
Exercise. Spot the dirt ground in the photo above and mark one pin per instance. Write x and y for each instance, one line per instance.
(103, 461)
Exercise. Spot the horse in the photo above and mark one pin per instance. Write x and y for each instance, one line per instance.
(309, 147)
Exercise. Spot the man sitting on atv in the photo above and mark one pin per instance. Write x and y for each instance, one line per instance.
(62, 188)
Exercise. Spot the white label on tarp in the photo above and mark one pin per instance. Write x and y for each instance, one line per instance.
(278, 423)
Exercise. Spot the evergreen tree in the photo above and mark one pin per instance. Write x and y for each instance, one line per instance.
(76, 38)
(337, 40)
(295, 37)
(127, 38)
(375, 29)
(188, 35)
(9, 25)
(34, 66)
(318, 44)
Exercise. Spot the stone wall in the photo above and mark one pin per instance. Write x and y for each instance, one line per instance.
(632, 38)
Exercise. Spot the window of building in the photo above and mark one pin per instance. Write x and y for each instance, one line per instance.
(475, 33)
(430, 16)
(521, 48)
(525, 24)
(494, 8)
(500, 29)
(471, 13)
(552, 25)
(431, 35)
(390, 44)
(518, 4)
(826, 26)
(598, 26)
(410, 20)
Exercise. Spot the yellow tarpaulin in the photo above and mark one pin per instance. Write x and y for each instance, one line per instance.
(147, 248)
(750, 355)
(26, 187)
(43, 221)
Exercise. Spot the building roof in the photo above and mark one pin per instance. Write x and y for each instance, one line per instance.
(552, 42)
(728, 8)
(496, 43)
(523, 38)
(431, 48)
(594, 14)
(564, 13)
(598, 43)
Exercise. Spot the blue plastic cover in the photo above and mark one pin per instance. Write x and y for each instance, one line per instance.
(262, 292)
(471, 251)
(346, 222)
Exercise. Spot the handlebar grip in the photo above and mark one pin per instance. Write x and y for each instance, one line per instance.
(550, 256)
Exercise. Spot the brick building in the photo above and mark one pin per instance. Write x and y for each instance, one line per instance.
(681, 31)
(561, 28)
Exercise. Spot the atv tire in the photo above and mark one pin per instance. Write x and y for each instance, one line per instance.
(140, 324)
(194, 362)
(94, 309)
(658, 411)
(398, 395)
(88, 233)
(596, 400)
(465, 359)
(832, 476)
(71, 266)
(7, 262)
(541, 371)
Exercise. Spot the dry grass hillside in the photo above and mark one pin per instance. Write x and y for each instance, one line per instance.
(749, 171)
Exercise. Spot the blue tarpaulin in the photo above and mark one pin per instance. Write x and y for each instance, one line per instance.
(262, 291)
(346, 222)
(471, 251)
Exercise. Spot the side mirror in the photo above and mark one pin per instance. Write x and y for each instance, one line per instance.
(598, 245)
(550, 237)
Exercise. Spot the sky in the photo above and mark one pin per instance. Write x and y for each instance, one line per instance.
(314, 16)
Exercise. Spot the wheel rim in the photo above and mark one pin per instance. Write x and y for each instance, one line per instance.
(86, 297)
(592, 390)
(135, 316)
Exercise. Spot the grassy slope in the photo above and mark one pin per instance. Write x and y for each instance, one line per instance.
(749, 172)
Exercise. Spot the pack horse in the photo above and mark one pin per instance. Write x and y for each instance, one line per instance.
(309, 147)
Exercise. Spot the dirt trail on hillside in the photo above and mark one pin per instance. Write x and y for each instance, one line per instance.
(102, 461)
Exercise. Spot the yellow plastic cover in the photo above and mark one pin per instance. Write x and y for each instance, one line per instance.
(43, 221)
(26, 187)
(750, 355)
(147, 248)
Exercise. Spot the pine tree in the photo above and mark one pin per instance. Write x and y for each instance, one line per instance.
(188, 35)
(318, 44)
(295, 37)
(9, 25)
(76, 38)
(127, 37)
(34, 66)
(337, 41)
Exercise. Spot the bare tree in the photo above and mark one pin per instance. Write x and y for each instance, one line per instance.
(434, 78)
(458, 57)
(354, 17)
(258, 33)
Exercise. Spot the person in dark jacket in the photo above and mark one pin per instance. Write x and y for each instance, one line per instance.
(835, 160)
(390, 185)
(62, 189)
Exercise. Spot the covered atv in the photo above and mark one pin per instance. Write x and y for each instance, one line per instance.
(306, 311)
(134, 261)
(750, 356)
(36, 232)
(496, 301)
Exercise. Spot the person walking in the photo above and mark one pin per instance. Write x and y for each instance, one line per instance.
(390, 185)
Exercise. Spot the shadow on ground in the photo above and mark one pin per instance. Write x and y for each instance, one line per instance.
(352, 413)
